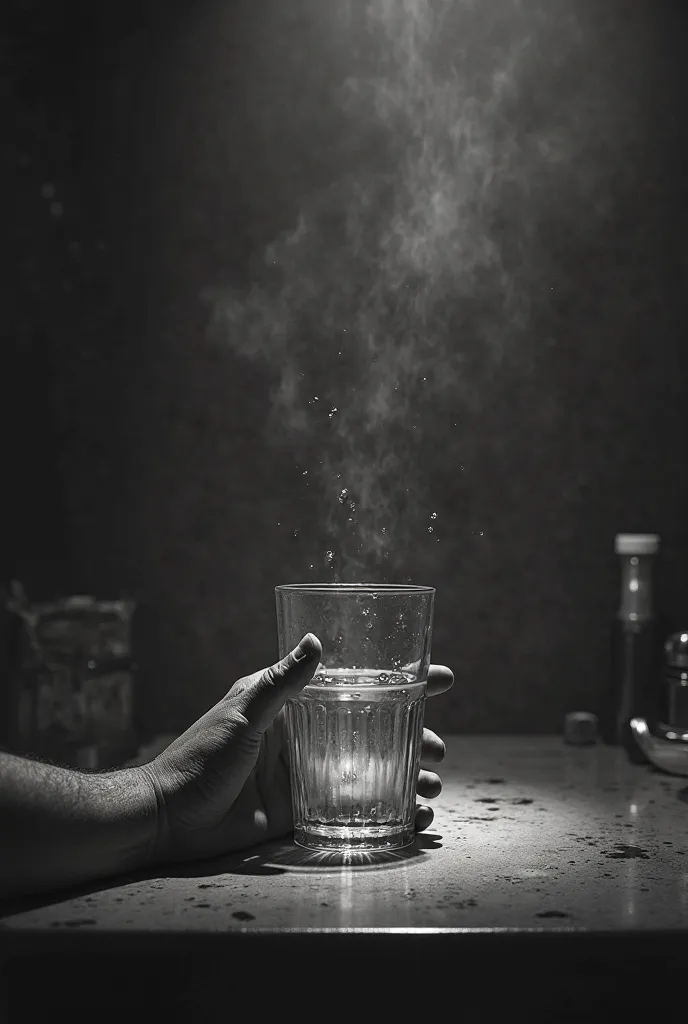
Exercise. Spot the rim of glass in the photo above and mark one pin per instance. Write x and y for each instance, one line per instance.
(353, 588)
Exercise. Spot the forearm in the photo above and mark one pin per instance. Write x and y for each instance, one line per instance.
(60, 827)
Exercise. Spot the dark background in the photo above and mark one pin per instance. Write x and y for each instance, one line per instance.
(152, 151)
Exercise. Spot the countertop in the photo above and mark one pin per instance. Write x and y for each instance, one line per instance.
(572, 851)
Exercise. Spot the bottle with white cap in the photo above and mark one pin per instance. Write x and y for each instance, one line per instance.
(635, 664)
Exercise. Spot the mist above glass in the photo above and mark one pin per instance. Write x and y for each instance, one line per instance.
(354, 732)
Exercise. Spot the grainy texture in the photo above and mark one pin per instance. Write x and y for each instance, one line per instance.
(155, 150)
(528, 834)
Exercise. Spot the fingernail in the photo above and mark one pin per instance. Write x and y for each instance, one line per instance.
(305, 648)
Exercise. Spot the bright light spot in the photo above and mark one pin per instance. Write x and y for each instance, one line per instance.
(633, 808)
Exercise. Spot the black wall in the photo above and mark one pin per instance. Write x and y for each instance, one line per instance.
(493, 215)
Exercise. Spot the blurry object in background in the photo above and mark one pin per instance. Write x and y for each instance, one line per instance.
(668, 752)
(634, 677)
(71, 680)
(676, 681)
(580, 728)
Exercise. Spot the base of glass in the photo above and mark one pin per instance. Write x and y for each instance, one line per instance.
(359, 837)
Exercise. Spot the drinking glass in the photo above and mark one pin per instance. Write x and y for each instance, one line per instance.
(354, 733)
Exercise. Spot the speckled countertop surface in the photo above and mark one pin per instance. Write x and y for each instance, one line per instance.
(528, 834)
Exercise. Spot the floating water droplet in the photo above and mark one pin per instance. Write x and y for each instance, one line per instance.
(383, 677)
(332, 411)
(329, 556)
(295, 533)
(352, 506)
(305, 473)
(369, 624)
(482, 534)
(384, 530)
(344, 494)
(430, 529)
(434, 515)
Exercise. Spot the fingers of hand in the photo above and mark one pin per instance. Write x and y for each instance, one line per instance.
(424, 816)
(432, 748)
(259, 697)
(440, 679)
(429, 785)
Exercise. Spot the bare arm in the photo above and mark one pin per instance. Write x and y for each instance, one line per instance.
(60, 827)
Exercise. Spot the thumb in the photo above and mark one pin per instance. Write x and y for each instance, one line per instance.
(261, 696)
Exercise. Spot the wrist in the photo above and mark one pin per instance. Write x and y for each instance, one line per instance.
(149, 793)
(129, 811)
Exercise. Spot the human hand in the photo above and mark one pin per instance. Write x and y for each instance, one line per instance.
(223, 785)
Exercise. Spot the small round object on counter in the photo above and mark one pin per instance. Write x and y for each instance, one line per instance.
(580, 728)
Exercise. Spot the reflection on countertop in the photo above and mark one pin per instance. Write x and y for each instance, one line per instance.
(528, 834)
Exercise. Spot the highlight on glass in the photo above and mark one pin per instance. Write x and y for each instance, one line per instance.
(354, 733)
